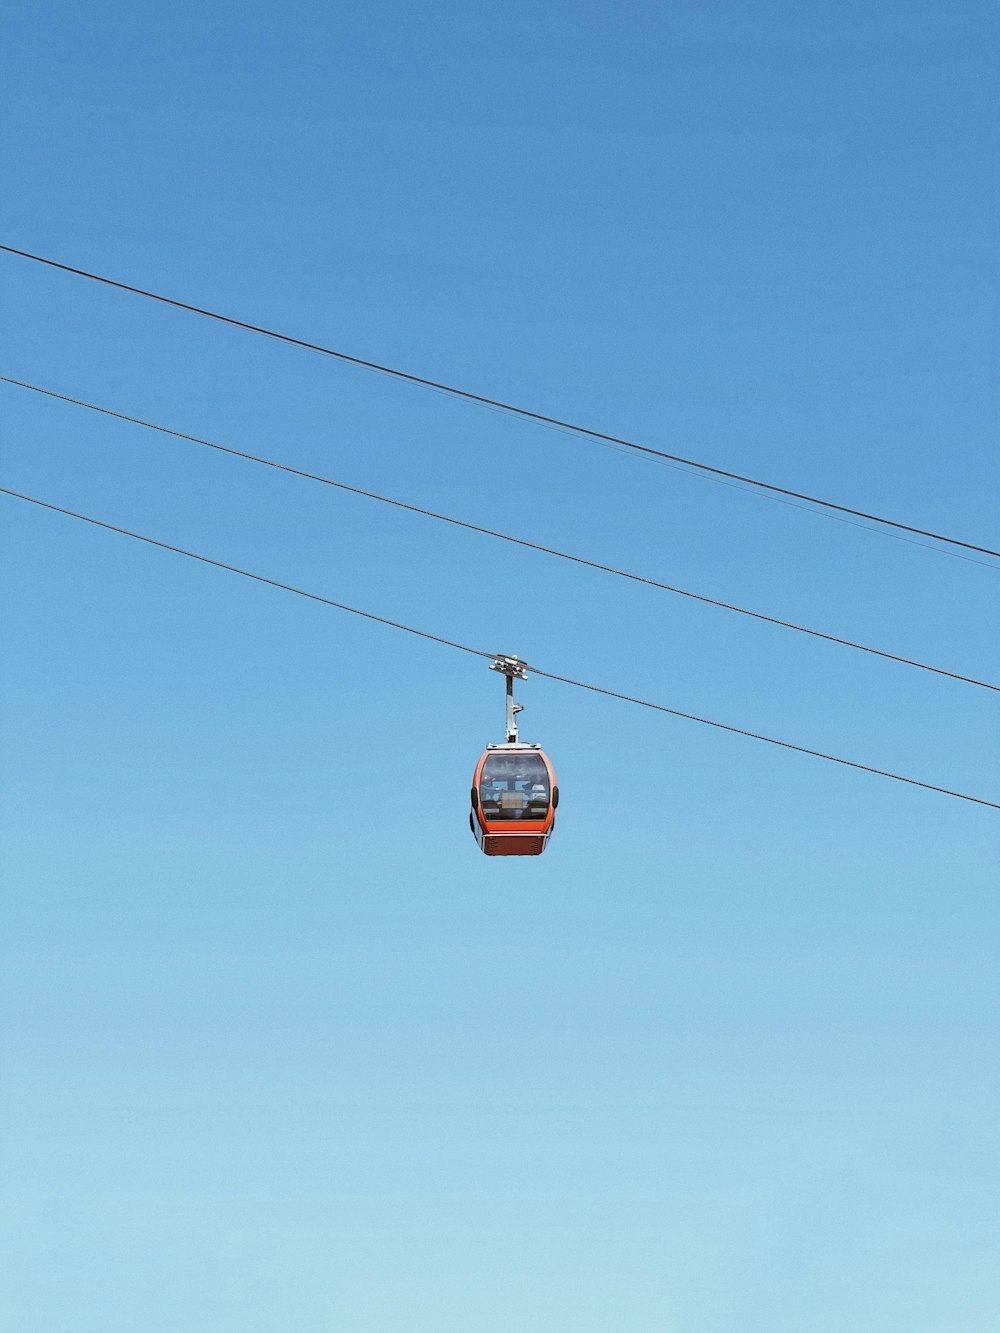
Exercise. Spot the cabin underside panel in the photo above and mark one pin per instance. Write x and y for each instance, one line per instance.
(513, 844)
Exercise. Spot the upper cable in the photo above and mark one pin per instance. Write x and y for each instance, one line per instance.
(527, 413)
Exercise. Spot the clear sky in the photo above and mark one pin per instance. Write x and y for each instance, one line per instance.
(281, 1050)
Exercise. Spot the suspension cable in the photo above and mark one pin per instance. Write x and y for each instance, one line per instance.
(476, 652)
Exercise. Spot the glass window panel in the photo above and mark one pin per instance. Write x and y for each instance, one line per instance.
(514, 786)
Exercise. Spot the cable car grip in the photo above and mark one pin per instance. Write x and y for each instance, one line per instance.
(511, 667)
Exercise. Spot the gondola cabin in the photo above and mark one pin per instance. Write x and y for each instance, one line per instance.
(514, 799)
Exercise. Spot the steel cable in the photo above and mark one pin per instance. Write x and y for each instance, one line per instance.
(477, 652)
(486, 401)
(502, 536)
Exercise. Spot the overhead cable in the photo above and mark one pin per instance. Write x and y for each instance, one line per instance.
(485, 401)
(477, 652)
(501, 536)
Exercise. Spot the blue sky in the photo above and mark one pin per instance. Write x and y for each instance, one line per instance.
(281, 1049)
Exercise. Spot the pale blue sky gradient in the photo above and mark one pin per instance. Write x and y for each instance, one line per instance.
(281, 1050)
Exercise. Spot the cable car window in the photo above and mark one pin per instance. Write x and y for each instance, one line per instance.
(514, 786)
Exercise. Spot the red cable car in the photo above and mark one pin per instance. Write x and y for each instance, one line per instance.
(514, 792)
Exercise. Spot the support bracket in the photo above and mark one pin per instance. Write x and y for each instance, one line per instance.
(513, 668)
